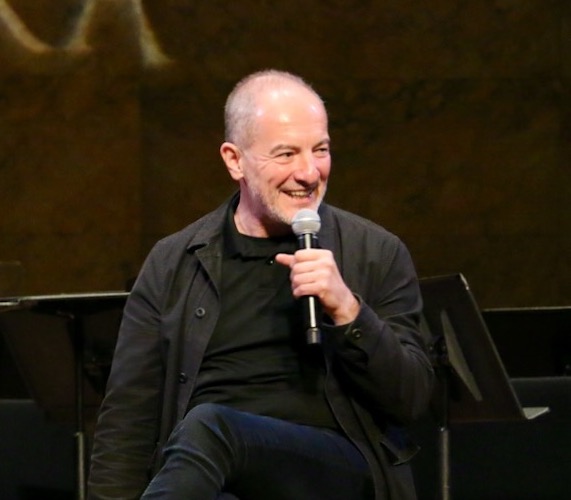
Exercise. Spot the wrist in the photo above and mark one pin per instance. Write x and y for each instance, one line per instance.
(348, 312)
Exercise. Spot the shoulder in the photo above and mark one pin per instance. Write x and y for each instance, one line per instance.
(373, 261)
(197, 234)
(172, 258)
(354, 229)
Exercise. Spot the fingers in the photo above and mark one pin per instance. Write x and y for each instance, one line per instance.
(312, 271)
(306, 255)
(285, 259)
(304, 271)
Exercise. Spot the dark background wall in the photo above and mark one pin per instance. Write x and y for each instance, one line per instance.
(451, 125)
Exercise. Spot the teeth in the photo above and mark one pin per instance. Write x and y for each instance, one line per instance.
(299, 194)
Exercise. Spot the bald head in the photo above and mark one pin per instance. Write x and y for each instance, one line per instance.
(243, 105)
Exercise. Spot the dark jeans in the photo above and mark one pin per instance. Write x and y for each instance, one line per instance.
(217, 450)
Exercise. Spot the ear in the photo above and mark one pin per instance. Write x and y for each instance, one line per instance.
(232, 158)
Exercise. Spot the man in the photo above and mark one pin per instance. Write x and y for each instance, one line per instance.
(213, 387)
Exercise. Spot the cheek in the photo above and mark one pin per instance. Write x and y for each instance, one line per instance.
(324, 169)
(278, 175)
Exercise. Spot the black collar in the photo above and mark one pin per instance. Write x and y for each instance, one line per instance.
(236, 244)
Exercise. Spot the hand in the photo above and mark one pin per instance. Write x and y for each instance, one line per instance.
(314, 272)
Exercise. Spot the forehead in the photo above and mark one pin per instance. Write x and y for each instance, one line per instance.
(285, 100)
(290, 109)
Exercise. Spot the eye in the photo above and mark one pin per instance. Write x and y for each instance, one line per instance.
(285, 155)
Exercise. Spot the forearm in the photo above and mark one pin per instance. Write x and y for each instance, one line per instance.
(127, 427)
(381, 353)
(126, 432)
(385, 364)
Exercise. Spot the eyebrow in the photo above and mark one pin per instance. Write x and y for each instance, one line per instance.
(281, 147)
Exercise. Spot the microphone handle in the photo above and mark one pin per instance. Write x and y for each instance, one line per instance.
(311, 306)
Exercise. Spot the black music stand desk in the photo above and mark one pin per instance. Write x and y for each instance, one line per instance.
(63, 345)
(472, 384)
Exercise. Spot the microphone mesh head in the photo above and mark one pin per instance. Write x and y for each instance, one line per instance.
(306, 221)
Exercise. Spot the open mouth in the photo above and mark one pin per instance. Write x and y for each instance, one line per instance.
(300, 194)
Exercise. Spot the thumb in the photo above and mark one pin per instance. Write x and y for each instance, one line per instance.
(284, 259)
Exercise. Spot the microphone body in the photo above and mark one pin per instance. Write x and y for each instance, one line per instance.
(306, 223)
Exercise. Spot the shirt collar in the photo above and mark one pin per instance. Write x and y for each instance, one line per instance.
(236, 244)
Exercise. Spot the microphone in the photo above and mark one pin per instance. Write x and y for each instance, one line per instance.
(306, 224)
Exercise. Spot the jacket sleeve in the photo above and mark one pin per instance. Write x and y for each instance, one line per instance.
(128, 423)
(380, 358)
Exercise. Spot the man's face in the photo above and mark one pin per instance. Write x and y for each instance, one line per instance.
(287, 166)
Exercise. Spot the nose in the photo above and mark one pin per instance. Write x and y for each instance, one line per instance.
(307, 171)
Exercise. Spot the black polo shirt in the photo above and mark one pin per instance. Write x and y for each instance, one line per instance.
(257, 360)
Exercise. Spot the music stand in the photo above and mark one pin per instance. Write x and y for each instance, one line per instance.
(472, 384)
(59, 342)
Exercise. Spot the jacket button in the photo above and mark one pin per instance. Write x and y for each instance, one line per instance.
(182, 378)
(356, 333)
(200, 312)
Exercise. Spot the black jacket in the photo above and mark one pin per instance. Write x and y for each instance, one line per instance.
(379, 376)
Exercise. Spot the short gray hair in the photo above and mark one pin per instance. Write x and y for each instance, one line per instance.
(240, 108)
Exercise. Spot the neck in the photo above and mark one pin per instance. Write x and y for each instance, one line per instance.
(251, 226)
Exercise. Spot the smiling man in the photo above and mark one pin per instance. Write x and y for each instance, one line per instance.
(281, 159)
(213, 392)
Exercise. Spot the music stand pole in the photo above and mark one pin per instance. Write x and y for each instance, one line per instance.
(77, 338)
(441, 363)
(444, 445)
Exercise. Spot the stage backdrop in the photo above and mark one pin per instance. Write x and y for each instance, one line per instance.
(451, 126)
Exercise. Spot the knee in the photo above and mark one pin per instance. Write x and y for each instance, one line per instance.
(207, 434)
(208, 420)
(206, 415)
(206, 412)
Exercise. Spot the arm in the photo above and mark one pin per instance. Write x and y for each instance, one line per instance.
(380, 356)
(128, 423)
